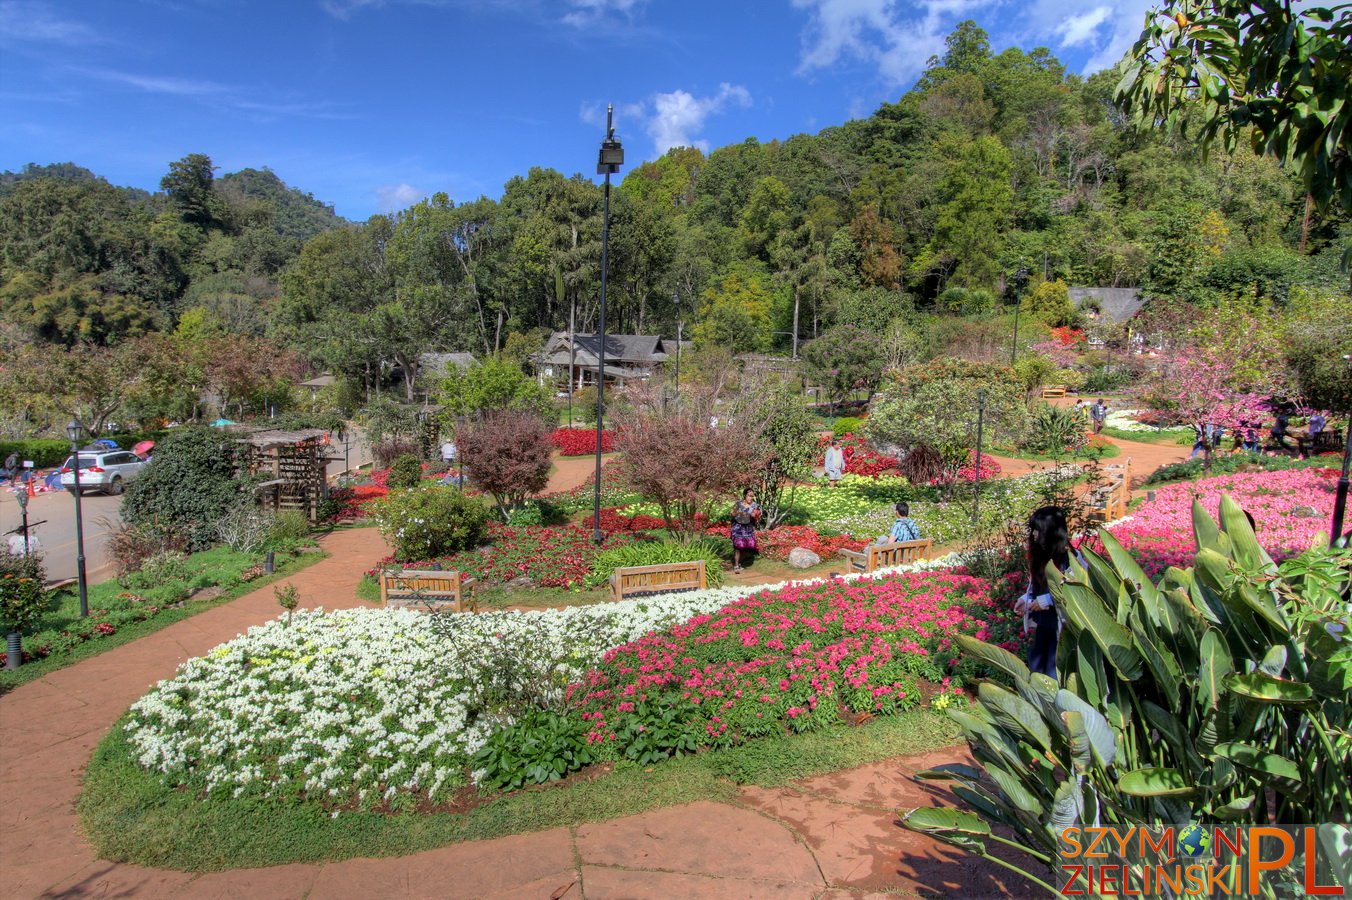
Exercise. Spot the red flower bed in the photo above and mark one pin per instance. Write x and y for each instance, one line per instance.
(550, 557)
(581, 441)
(860, 458)
(795, 657)
(775, 543)
(612, 521)
(1066, 336)
(989, 468)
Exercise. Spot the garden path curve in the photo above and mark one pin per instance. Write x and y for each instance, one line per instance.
(1145, 459)
(830, 836)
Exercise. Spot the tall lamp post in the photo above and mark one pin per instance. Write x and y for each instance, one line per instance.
(607, 164)
(1340, 497)
(73, 431)
(976, 473)
(1020, 280)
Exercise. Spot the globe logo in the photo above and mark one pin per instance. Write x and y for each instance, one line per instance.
(1194, 840)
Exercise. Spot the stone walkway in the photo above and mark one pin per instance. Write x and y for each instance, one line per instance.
(831, 836)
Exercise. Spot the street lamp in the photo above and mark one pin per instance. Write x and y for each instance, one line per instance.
(22, 497)
(1020, 280)
(607, 164)
(976, 474)
(73, 431)
(1340, 497)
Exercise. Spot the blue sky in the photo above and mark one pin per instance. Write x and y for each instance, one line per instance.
(373, 104)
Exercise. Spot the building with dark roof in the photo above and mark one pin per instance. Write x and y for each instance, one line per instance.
(628, 356)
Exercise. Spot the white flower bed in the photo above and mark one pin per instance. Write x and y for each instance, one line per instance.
(1124, 420)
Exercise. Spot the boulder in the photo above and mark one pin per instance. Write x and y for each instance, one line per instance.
(1305, 512)
(521, 581)
(803, 558)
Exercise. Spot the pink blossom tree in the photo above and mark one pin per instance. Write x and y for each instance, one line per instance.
(1198, 386)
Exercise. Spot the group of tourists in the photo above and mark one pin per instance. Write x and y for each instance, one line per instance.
(1246, 435)
(1096, 412)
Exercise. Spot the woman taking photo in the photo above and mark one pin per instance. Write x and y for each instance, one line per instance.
(1048, 542)
(745, 514)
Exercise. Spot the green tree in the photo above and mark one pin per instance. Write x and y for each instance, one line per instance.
(1049, 302)
(843, 360)
(974, 212)
(188, 487)
(495, 384)
(190, 185)
(736, 313)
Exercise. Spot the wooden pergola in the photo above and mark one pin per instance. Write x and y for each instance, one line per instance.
(293, 465)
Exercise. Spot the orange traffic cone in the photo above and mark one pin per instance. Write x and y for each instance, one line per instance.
(31, 492)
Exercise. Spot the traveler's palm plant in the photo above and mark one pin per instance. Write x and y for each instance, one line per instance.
(1220, 695)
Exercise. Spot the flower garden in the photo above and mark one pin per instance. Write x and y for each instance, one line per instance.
(377, 710)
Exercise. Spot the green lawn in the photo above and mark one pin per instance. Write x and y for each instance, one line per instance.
(220, 566)
(1108, 451)
(1172, 436)
(130, 816)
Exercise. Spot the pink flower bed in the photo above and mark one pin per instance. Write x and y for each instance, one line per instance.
(1160, 531)
(794, 657)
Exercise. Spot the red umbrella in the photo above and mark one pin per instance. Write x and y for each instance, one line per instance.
(143, 448)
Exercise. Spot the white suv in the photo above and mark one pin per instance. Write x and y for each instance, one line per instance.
(106, 470)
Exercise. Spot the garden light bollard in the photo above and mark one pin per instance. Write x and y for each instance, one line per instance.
(13, 650)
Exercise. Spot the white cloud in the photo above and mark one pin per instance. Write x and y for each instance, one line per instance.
(898, 38)
(589, 12)
(159, 84)
(679, 116)
(38, 23)
(394, 197)
(1082, 29)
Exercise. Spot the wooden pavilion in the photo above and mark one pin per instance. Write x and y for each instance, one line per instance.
(293, 465)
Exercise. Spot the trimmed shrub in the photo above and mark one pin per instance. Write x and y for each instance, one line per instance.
(847, 425)
(431, 520)
(653, 553)
(188, 487)
(405, 472)
(42, 452)
(22, 597)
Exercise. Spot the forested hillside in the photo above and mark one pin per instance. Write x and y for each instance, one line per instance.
(911, 223)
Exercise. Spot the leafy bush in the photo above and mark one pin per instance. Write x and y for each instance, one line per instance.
(22, 596)
(130, 545)
(507, 455)
(246, 528)
(1055, 429)
(290, 529)
(654, 553)
(1193, 469)
(538, 512)
(431, 520)
(390, 449)
(542, 746)
(188, 486)
(847, 425)
(1216, 695)
(1105, 380)
(405, 472)
(159, 569)
(43, 452)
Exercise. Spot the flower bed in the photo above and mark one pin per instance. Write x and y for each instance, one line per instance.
(371, 707)
(1159, 532)
(549, 557)
(797, 658)
(614, 521)
(581, 441)
(860, 457)
(775, 543)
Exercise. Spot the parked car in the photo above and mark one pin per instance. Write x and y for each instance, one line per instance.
(104, 470)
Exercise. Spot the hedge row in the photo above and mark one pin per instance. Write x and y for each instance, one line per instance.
(48, 452)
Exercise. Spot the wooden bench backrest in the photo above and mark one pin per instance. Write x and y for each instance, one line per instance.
(679, 576)
(884, 556)
(414, 588)
(1049, 392)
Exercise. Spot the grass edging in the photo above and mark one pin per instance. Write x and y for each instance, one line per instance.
(125, 634)
(129, 815)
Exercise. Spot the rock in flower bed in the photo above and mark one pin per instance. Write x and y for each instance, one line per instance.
(364, 707)
(1159, 532)
(550, 557)
(796, 658)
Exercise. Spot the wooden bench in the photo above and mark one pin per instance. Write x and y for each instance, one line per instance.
(659, 579)
(884, 556)
(1108, 502)
(429, 590)
(1050, 393)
